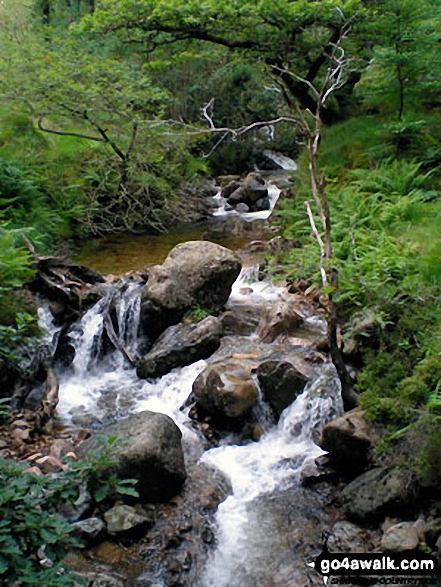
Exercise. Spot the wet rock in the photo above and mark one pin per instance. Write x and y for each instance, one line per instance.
(181, 345)
(62, 283)
(226, 389)
(238, 196)
(278, 319)
(101, 579)
(181, 540)
(368, 497)
(195, 274)
(149, 450)
(283, 533)
(253, 193)
(128, 521)
(349, 440)
(281, 383)
(242, 208)
(262, 204)
(255, 188)
(90, 530)
(401, 537)
(243, 321)
(347, 537)
(229, 188)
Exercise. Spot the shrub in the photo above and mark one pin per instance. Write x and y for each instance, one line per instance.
(34, 535)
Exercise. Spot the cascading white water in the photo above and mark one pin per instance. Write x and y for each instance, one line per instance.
(244, 552)
(128, 315)
(281, 160)
(259, 468)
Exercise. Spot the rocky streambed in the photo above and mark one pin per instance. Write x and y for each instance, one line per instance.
(220, 384)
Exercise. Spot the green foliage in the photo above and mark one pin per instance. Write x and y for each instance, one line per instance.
(15, 343)
(405, 66)
(33, 536)
(25, 208)
(14, 261)
(196, 314)
(428, 439)
(4, 410)
(96, 473)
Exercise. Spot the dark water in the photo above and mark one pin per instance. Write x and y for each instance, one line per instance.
(127, 252)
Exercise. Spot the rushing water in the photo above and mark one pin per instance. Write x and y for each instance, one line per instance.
(98, 388)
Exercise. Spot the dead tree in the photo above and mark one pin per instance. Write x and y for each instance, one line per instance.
(311, 124)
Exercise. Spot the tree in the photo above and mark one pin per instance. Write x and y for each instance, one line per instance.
(405, 68)
(104, 101)
(281, 35)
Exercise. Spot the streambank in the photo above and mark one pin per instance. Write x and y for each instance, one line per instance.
(254, 503)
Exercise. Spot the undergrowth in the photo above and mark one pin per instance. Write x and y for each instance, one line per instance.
(386, 234)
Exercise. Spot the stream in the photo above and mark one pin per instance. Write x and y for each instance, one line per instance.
(251, 547)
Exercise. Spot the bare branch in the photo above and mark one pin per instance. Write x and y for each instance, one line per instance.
(319, 241)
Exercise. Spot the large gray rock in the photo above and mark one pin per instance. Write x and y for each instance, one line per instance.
(349, 440)
(181, 345)
(149, 450)
(226, 390)
(195, 274)
(378, 492)
(281, 383)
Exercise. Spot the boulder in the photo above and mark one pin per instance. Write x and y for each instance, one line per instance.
(349, 440)
(279, 318)
(238, 196)
(225, 389)
(89, 530)
(242, 208)
(280, 383)
(379, 491)
(255, 188)
(195, 274)
(253, 192)
(229, 188)
(149, 450)
(127, 520)
(181, 345)
(262, 204)
(401, 537)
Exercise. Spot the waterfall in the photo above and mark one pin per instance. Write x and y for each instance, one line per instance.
(128, 307)
(100, 386)
(275, 462)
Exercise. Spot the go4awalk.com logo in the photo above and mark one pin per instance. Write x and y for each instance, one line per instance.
(410, 565)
